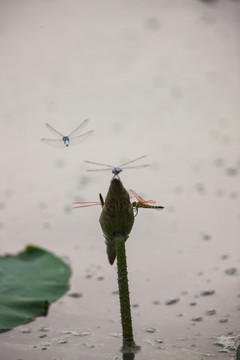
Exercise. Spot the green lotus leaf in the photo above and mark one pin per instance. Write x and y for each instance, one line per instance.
(29, 282)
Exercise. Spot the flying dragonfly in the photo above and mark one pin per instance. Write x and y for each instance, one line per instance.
(118, 169)
(73, 138)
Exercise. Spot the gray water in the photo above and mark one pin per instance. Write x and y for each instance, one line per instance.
(154, 77)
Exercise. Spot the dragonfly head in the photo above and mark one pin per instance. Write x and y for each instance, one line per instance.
(66, 140)
(116, 170)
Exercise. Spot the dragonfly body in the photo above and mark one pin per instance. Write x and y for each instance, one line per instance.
(66, 141)
(144, 206)
(73, 138)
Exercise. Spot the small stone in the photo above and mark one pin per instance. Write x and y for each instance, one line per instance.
(117, 335)
(75, 295)
(211, 312)
(207, 292)
(223, 321)
(43, 329)
(74, 333)
(135, 305)
(62, 341)
(197, 319)
(206, 237)
(100, 278)
(207, 355)
(218, 343)
(150, 330)
(193, 303)
(231, 271)
(84, 333)
(26, 331)
(172, 301)
(67, 210)
(159, 340)
(200, 188)
(161, 347)
(231, 171)
(179, 315)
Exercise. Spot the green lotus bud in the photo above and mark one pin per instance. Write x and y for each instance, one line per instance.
(117, 216)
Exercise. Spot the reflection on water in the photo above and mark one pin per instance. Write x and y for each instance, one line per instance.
(128, 356)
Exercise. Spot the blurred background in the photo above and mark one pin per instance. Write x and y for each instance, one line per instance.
(154, 77)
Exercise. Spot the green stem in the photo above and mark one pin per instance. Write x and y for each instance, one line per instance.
(238, 352)
(128, 341)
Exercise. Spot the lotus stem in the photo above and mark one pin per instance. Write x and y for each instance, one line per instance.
(129, 345)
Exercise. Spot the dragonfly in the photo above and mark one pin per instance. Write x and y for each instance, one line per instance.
(141, 203)
(73, 138)
(116, 170)
(146, 204)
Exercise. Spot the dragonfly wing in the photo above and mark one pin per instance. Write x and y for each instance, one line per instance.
(54, 142)
(141, 200)
(131, 161)
(138, 197)
(82, 206)
(134, 167)
(54, 131)
(86, 204)
(80, 138)
(79, 128)
(99, 169)
(95, 163)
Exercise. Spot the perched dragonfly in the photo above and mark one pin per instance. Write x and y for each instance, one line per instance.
(118, 169)
(72, 138)
(146, 204)
(141, 203)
